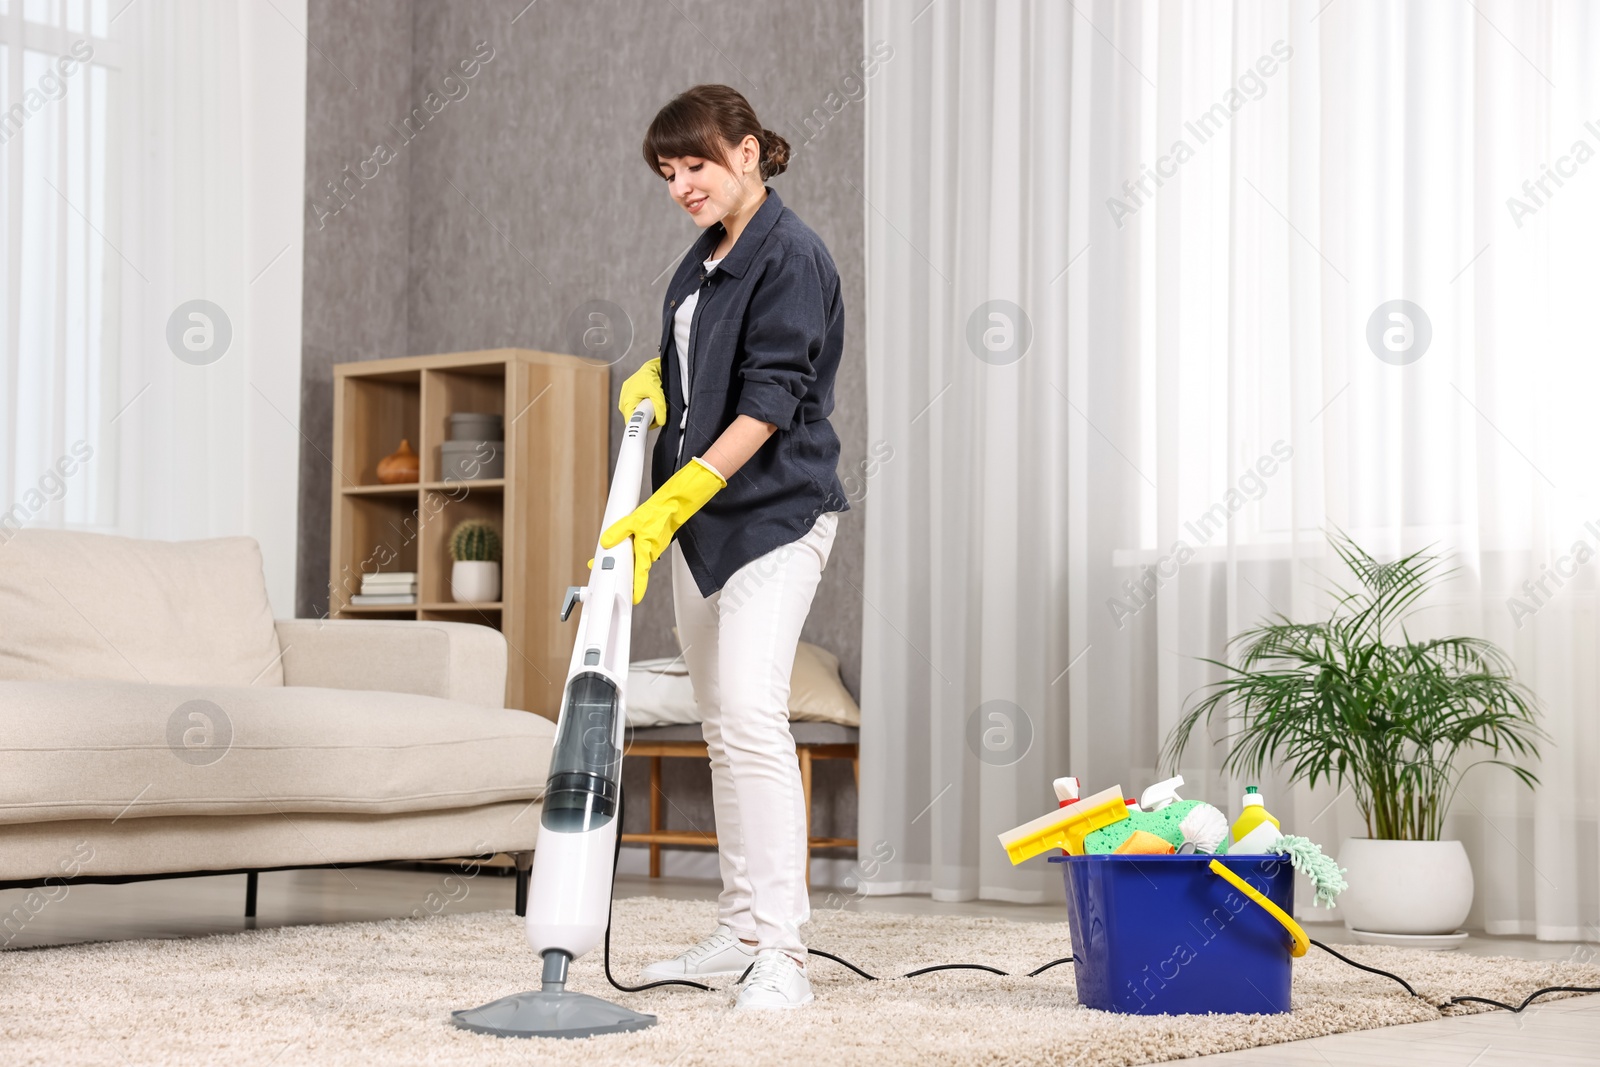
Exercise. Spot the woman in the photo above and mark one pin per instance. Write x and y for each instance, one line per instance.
(752, 331)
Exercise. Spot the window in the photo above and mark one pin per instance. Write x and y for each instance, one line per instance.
(59, 276)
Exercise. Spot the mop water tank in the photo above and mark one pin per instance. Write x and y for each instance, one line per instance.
(586, 765)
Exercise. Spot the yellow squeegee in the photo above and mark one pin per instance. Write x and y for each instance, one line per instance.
(1065, 827)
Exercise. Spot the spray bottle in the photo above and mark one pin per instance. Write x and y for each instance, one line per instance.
(1255, 828)
(1203, 828)
(1161, 794)
(1066, 793)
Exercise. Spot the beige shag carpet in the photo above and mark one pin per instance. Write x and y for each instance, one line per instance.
(382, 992)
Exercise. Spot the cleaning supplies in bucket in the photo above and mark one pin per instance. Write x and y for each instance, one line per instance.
(1066, 827)
(1257, 832)
(1066, 790)
(1159, 923)
(1256, 828)
(1161, 823)
(1204, 828)
(1144, 843)
(1158, 932)
(1185, 825)
(1306, 856)
(1161, 794)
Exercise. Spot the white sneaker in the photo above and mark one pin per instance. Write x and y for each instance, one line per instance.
(776, 981)
(719, 955)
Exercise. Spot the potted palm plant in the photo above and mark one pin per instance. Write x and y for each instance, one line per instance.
(1358, 702)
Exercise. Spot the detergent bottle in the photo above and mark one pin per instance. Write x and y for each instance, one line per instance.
(1255, 828)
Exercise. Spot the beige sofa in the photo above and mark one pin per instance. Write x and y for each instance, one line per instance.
(155, 720)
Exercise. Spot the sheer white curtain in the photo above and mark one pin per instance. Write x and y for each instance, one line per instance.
(1200, 212)
(177, 157)
(58, 66)
(218, 110)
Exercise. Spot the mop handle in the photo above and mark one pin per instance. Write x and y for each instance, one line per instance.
(608, 598)
(624, 494)
(1301, 941)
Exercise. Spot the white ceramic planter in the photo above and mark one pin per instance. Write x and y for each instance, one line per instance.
(1405, 887)
(474, 581)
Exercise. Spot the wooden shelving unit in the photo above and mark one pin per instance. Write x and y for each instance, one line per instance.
(548, 506)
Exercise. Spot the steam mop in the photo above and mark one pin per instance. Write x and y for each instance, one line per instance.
(569, 897)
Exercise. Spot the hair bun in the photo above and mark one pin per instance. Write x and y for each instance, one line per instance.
(774, 154)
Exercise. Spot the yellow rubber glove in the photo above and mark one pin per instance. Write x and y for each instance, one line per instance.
(652, 524)
(645, 382)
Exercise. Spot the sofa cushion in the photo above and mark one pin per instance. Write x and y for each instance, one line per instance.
(110, 750)
(82, 605)
(102, 848)
(144, 847)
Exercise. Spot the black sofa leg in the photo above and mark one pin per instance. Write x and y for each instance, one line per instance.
(251, 881)
(524, 862)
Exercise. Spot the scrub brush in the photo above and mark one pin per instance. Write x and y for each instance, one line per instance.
(1307, 858)
(1205, 828)
(1200, 827)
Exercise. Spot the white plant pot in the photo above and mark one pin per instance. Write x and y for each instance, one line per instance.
(1405, 887)
(474, 581)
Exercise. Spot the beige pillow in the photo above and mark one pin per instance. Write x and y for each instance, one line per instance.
(660, 693)
(86, 605)
(816, 693)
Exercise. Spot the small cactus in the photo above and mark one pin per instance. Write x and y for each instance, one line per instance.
(476, 540)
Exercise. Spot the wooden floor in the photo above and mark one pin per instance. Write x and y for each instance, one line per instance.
(1563, 1032)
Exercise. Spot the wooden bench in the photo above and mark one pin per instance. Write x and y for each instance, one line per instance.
(812, 741)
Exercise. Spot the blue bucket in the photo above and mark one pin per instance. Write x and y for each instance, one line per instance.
(1166, 935)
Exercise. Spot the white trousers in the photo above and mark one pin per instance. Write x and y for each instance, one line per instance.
(739, 645)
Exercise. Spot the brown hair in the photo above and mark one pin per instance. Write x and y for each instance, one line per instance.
(707, 122)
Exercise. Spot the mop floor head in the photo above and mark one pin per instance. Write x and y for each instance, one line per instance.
(552, 1014)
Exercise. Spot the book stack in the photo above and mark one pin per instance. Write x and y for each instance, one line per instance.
(393, 587)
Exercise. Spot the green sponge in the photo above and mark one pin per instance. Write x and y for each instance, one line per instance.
(1164, 824)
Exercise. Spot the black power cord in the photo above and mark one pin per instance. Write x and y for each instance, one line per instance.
(1453, 1001)
(1531, 997)
(1364, 967)
(1515, 1009)
(936, 967)
(1337, 955)
(616, 855)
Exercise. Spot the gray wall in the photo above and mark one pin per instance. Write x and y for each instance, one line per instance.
(526, 197)
(356, 262)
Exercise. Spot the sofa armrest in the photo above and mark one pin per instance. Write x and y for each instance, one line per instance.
(454, 660)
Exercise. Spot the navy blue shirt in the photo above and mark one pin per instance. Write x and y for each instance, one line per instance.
(765, 340)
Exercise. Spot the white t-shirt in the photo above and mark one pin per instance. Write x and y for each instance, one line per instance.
(680, 335)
